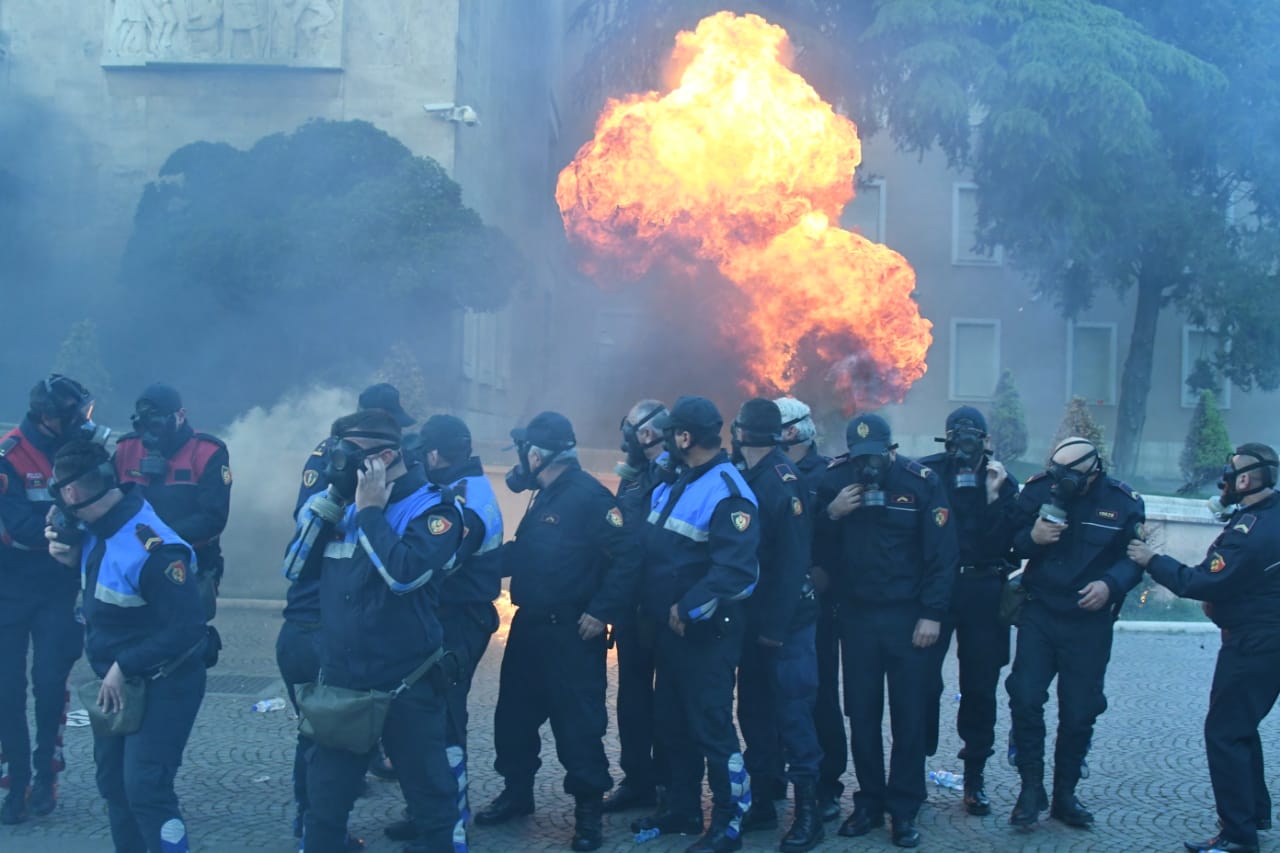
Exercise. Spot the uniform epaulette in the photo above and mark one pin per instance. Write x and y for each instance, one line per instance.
(322, 448)
(1127, 489)
(733, 487)
(8, 444)
(837, 461)
(921, 471)
(786, 473)
(212, 439)
(1039, 475)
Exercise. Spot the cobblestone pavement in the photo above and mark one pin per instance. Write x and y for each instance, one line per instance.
(1149, 786)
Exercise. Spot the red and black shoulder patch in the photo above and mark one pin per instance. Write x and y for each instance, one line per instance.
(149, 538)
(177, 572)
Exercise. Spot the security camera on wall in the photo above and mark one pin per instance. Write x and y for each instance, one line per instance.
(452, 112)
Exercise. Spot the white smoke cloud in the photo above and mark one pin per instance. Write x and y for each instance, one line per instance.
(269, 447)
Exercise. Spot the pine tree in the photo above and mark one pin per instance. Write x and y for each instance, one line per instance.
(1207, 445)
(1008, 428)
(1077, 420)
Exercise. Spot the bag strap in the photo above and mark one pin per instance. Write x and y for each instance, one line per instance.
(413, 677)
(167, 668)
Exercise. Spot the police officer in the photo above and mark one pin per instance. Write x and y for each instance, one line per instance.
(297, 645)
(700, 563)
(778, 674)
(466, 611)
(184, 475)
(573, 571)
(383, 396)
(1072, 525)
(145, 620)
(889, 518)
(1240, 586)
(982, 496)
(799, 437)
(643, 765)
(37, 595)
(382, 533)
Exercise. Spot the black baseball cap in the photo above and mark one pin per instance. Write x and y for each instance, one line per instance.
(548, 430)
(447, 434)
(868, 435)
(385, 396)
(760, 417)
(966, 417)
(697, 415)
(164, 399)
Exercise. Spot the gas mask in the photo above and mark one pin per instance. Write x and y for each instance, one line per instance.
(792, 442)
(64, 511)
(1230, 497)
(347, 459)
(1069, 484)
(154, 429)
(748, 439)
(523, 477)
(967, 449)
(871, 471)
(631, 443)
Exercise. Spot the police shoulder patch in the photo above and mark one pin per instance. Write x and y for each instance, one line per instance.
(940, 516)
(785, 473)
(1217, 563)
(438, 525)
(149, 538)
(309, 477)
(740, 520)
(177, 572)
(614, 516)
(797, 508)
(1245, 523)
(904, 499)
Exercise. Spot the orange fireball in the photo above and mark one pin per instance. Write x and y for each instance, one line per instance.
(743, 167)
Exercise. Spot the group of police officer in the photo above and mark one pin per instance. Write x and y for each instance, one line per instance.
(762, 571)
(116, 557)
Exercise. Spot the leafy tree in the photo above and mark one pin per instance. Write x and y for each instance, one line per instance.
(1077, 420)
(403, 369)
(1206, 447)
(1008, 421)
(80, 357)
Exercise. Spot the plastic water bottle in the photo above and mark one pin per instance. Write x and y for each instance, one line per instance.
(1013, 751)
(266, 705)
(946, 779)
(647, 835)
(957, 698)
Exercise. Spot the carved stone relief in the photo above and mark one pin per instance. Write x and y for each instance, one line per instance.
(296, 33)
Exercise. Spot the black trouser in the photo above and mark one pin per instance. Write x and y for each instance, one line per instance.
(135, 772)
(1246, 684)
(1074, 647)
(550, 673)
(467, 628)
(298, 656)
(776, 690)
(693, 702)
(48, 625)
(414, 739)
(877, 648)
(643, 764)
(982, 647)
(827, 716)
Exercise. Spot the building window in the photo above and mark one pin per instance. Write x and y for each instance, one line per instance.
(865, 214)
(964, 230)
(1198, 345)
(975, 359)
(1091, 362)
(485, 357)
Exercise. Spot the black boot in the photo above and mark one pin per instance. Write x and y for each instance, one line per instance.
(1068, 809)
(588, 828)
(1032, 799)
(975, 795)
(628, 796)
(762, 815)
(829, 802)
(806, 830)
(43, 797)
(509, 804)
(716, 840)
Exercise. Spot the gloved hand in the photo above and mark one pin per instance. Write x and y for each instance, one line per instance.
(328, 506)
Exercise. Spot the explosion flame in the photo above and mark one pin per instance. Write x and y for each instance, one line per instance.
(743, 167)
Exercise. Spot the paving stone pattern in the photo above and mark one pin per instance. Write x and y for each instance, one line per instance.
(1149, 786)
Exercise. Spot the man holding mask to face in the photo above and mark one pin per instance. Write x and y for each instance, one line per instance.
(887, 519)
(1072, 525)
